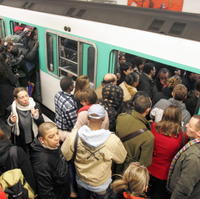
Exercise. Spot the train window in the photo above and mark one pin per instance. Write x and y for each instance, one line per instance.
(177, 28)
(2, 29)
(50, 60)
(68, 56)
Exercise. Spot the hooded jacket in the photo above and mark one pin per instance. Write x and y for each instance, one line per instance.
(51, 172)
(22, 162)
(96, 150)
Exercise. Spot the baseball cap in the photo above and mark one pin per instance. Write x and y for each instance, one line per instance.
(96, 111)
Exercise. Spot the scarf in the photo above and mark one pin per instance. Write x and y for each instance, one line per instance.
(16, 106)
(84, 108)
(176, 157)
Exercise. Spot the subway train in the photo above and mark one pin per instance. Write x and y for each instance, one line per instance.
(77, 37)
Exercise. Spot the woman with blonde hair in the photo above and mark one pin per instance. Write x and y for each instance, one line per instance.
(168, 140)
(133, 184)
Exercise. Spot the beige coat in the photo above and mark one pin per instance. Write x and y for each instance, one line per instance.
(93, 165)
(128, 93)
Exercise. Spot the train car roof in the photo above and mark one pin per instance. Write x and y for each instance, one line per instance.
(178, 24)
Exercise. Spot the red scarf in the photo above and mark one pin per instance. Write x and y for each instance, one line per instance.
(128, 196)
(84, 108)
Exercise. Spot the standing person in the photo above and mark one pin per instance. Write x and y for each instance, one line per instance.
(82, 82)
(108, 78)
(96, 148)
(129, 85)
(65, 107)
(112, 101)
(49, 166)
(146, 79)
(184, 174)
(179, 94)
(19, 160)
(168, 140)
(24, 119)
(124, 69)
(139, 147)
(87, 97)
(8, 81)
(133, 184)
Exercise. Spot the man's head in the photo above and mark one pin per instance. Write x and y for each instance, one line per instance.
(142, 104)
(21, 96)
(126, 68)
(48, 135)
(193, 127)
(149, 69)
(179, 92)
(96, 112)
(67, 84)
(109, 78)
(163, 76)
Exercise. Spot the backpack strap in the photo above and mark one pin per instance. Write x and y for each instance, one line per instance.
(133, 134)
(75, 147)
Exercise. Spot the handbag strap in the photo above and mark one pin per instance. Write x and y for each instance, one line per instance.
(75, 147)
(133, 134)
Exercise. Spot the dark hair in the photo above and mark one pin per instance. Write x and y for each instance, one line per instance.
(142, 103)
(148, 67)
(17, 90)
(162, 70)
(125, 67)
(66, 83)
(171, 121)
(132, 78)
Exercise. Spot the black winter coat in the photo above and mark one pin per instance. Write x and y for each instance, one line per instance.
(51, 172)
(22, 163)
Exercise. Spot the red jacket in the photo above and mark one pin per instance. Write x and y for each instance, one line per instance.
(2, 195)
(165, 148)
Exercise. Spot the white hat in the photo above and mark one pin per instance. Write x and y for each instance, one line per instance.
(96, 111)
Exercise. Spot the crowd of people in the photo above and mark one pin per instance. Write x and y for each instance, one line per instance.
(18, 63)
(136, 136)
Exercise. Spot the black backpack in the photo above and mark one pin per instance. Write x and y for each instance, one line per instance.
(16, 191)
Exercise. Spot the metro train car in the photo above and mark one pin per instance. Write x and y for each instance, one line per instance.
(86, 38)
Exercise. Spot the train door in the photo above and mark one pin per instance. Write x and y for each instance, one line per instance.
(66, 56)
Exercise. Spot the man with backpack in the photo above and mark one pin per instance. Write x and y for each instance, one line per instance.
(95, 151)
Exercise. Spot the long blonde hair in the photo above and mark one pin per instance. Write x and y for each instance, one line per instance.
(135, 180)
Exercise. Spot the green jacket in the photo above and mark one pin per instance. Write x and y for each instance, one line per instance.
(185, 180)
(139, 148)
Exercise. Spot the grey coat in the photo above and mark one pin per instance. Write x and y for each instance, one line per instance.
(185, 179)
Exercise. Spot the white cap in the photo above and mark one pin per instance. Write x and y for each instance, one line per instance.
(96, 111)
